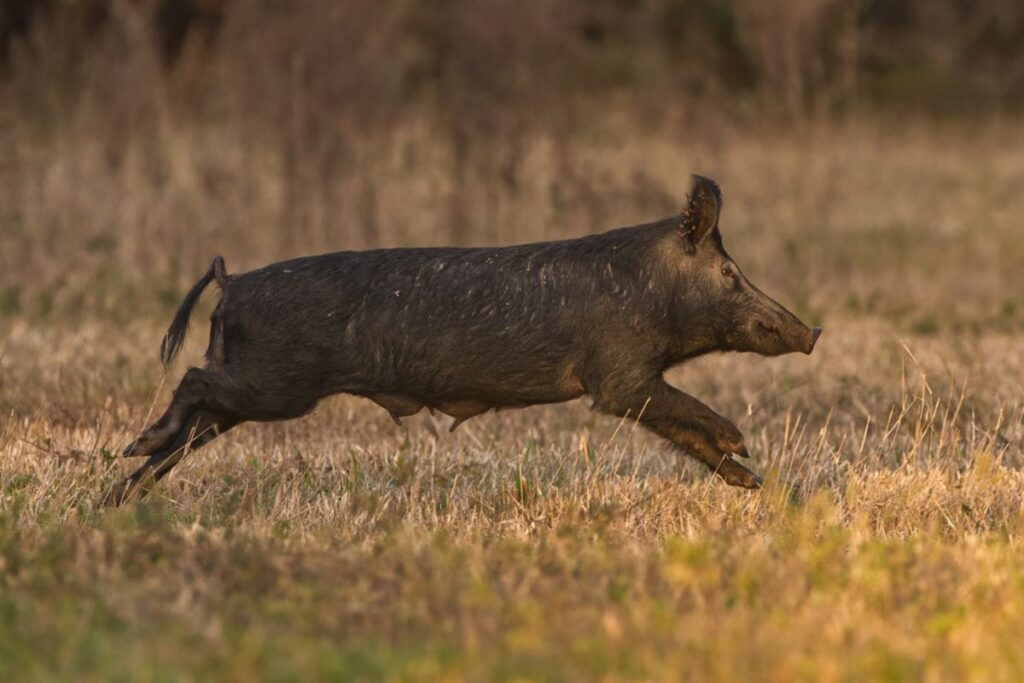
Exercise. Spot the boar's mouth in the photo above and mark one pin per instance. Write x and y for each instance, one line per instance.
(767, 329)
(769, 335)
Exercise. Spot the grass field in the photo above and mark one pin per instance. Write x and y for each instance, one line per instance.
(549, 543)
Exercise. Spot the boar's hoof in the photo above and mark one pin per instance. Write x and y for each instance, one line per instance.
(753, 481)
(735, 474)
(727, 438)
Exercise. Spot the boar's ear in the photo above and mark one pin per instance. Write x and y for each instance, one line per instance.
(700, 215)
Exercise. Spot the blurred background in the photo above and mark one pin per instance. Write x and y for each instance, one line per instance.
(868, 149)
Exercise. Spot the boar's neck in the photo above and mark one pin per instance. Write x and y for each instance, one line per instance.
(665, 306)
(694, 314)
(696, 319)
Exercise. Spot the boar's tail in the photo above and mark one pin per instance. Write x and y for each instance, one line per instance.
(179, 326)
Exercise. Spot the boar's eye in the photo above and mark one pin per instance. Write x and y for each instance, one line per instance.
(728, 271)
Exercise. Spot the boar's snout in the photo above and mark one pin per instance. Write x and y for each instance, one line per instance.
(798, 337)
(815, 333)
(801, 337)
(777, 331)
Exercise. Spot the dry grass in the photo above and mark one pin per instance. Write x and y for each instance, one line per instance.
(548, 543)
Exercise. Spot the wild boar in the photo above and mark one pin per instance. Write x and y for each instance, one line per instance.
(466, 330)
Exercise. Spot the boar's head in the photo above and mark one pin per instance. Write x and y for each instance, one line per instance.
(733, 313)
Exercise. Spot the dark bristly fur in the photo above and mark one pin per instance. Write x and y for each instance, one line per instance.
(463, 331)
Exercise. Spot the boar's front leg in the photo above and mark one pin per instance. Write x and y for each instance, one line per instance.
(686, 422)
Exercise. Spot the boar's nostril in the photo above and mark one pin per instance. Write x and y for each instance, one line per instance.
(815, 333)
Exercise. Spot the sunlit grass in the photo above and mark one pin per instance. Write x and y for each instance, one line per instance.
(539, 544)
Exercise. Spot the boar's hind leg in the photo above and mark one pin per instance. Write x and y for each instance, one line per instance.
(198, 388)
(197, 431)
(687, 423)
